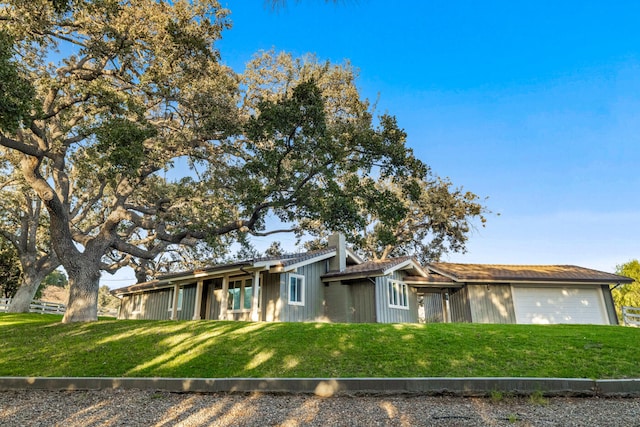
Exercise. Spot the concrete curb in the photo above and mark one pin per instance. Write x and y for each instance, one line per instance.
(327, 387)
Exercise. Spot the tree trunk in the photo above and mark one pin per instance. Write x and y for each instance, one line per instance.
(84, 282)
(26, 291)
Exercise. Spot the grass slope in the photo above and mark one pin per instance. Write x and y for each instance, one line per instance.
(39, 345)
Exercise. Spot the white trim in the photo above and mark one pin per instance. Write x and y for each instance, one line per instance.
(354, 256)
(225, 294)
(173, 297)
(403, 265)
(557, 305)
(197, 307)
(397, 294)
(302, 286)
(294, 267)
(255, 304)
(242, 293)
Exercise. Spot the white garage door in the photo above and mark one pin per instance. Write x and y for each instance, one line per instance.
(549, 305)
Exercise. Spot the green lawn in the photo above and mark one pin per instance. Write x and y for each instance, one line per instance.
(39, 345)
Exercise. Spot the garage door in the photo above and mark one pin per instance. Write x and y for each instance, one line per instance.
(549, 305)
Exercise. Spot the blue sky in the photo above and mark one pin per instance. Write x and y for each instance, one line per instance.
(533, 104)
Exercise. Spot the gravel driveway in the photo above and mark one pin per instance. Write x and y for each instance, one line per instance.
(147, 408)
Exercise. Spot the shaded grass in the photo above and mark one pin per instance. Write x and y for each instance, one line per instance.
(39, 345)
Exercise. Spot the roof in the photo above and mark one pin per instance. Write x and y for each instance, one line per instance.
(524, 273)
(432, 280)
(283, 262)
(374, 268)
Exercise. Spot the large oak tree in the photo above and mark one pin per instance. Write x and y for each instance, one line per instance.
(109, 94)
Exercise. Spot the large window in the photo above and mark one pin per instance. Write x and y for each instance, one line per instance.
(180, 293)
(240, 295)
(296, 289)
(398, 294)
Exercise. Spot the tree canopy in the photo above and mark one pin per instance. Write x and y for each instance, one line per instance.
(112, 94)
(10, 273)
(628, 294)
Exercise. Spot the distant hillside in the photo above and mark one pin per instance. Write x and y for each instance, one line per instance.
(55, 294)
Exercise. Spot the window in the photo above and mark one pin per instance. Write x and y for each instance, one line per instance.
(296, 289)
(137, 303)
(398, 294)
(240, 296)
(180, 293)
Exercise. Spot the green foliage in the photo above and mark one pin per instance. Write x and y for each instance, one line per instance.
(538, 398)
(56, 278)
(220, 349)
(17, 95)
(106, 301)
(10, 271)
(274, 250)
(128, 89)
(627, 294)
(121, 145)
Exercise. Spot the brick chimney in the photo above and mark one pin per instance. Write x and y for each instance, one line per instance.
(339, 262)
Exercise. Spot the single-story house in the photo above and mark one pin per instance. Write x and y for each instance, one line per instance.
(539, 294)
(335, 285)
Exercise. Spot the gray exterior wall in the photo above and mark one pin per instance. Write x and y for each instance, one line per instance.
(155, 305)
(433, 307)
(270, 301)
(609, 305)
(337, 300)
(350, 302)
(362, 307)
(313, 308)
(188, 303)
(491, 303)
(459, 305)
(386, 314)
(213, 299)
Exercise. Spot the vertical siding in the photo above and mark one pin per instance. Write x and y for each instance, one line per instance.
(313, 295)
(188, 302)
(124, 311)
(337, 300)
(609, 305)
(433, 307)
(386, 314)
(491, 303)
(154, 306)
(362, 307)
(214, 299)
(459, 305)
(271, 303)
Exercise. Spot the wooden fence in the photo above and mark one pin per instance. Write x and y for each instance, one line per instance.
(631, 316)
(36, 306)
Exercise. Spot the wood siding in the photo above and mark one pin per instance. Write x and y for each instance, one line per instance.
(491, 303)
(459, 305)
(350, 302)
(362, 304)
(155, 305)
(387, 314)
(214, 299)
(313, 309)
(337, 300)
(609, 305)
(433, 307)
(271, 303)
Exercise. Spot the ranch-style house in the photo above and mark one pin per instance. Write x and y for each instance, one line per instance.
(335, 285)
